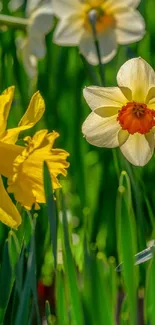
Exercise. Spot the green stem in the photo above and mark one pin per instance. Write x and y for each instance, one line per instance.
(92, 20)
(14, 22)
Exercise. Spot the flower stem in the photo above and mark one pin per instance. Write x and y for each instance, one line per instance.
(92, 19)
(14, 22)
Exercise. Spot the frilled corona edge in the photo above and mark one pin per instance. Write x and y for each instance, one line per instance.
(26, 181)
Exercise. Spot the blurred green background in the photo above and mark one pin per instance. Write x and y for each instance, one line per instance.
(110, 214)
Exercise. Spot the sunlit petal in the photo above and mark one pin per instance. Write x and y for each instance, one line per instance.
(106, 101)
(127, 32)
(137, 75)
(101, 132)
(138, 148)
(32, 115)
(9, 214)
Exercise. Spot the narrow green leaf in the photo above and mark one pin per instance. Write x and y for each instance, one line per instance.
(28, 289)
(50, 320)
(61, 304)
(70, 274)
(51, 209)
(14, 248)
(6, 282)
(150, 294)
(126, 232)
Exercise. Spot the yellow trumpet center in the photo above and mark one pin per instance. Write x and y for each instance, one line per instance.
(102, 20)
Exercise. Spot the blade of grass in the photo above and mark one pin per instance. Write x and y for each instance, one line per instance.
(70, 273)
(25, 296)
(6, 282)
(61, 304)
(51, 210)
(149, 307)
(126, 232)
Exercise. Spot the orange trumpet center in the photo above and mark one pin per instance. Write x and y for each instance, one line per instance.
(136, 117)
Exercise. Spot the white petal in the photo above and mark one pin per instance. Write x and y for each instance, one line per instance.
(65, 8)
(107, 44)
(41, 22)
(113, 6)
(137, 75)
(69, 31)
(15, 4)
(101, 132)
(30, 62)
(37, 46)
(130, 27)
(137, 149)
(32, 5)
(132, 3)
(106, 101)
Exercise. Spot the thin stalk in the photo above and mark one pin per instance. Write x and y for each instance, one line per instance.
(92, 20)
(14, 22)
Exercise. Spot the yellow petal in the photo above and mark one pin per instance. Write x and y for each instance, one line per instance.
(5, 105)
(9, 215)
(122, 137)
(9, 152)
(33, 114)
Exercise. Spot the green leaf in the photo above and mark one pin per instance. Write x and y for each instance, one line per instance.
(126, 232)
(61, 305)
(51, 209)
(70, 274)
(6, 282)
(50, 319)
(23, 311)
(150, 293)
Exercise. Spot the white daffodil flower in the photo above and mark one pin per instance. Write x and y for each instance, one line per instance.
(116, 22)
(15, 4)
(40, 24)
(125, 115)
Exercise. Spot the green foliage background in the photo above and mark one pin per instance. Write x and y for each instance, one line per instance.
(109, 201)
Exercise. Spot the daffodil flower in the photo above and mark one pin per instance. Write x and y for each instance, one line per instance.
(116, 22)
(24, 167)
(124, 116)
(8, 137)
(40, 23)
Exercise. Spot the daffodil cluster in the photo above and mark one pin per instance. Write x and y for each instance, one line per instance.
(114, 22)
(23, 165)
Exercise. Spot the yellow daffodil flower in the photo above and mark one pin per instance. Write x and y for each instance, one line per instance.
(24, 167)
(8, 212)
(32, 115)
(125, 115)
(117, 22)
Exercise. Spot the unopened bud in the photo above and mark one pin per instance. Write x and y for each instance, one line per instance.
(92, 15)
